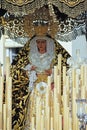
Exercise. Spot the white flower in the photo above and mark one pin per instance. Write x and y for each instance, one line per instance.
(41, 87)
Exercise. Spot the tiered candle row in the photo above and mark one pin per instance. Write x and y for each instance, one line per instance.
(56, 111)
(46, 109)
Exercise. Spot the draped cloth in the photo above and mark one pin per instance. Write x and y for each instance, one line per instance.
(42, 62)
(69, 7)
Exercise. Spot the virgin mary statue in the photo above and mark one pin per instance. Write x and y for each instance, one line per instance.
(29, 70)
(41, 57)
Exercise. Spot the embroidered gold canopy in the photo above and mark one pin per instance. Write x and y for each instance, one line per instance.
(23, 2)
(72, 8)
(25, 18)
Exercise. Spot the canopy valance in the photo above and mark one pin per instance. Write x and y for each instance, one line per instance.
(70, 7)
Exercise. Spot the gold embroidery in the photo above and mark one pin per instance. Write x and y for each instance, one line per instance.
(19, 2)
(71, 3)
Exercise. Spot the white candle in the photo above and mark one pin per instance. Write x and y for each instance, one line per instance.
(64, 77)
(4, 116)
(42, 122)
(9, 103)
(59, 63)
(32, 123)
(7, 53)
(51, 123)
(60, 122)
(1, 100)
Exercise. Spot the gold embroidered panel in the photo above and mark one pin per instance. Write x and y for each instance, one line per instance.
(72, 12)
(71, 3)
(24, 9)
(19, 2)
(72, 8)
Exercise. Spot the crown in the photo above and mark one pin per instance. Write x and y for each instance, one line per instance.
(40, 23)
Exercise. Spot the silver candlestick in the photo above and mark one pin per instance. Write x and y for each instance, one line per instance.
(82, 112)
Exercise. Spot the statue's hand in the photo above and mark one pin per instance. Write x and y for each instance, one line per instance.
(33, 67)
(48, 72)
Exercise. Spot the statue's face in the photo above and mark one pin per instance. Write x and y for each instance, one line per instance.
(41, 45)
